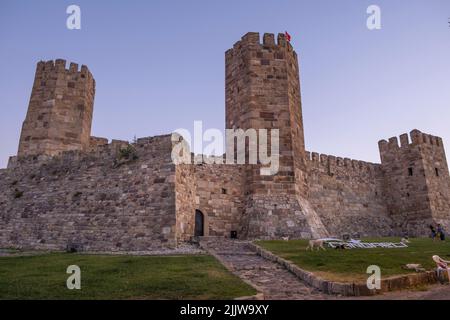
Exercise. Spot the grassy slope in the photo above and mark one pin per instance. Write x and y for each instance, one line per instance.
(119, 277)
(351, 265)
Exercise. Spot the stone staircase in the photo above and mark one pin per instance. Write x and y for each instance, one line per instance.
(269, 278)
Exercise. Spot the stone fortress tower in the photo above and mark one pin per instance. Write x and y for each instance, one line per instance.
(59, 115)
(67, 188)
(263, 92)
(417, 178)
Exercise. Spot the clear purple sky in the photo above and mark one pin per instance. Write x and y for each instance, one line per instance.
(159, 65)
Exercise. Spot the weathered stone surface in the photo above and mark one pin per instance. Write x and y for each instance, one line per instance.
(268, 277)
(348, 196)
(417, 182)
(59, 115)
(86, 200)
(68, 188)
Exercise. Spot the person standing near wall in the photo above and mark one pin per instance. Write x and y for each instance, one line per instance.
(440, 232)
(433, 232)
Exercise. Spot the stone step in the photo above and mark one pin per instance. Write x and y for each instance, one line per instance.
(234, 253)
(272, 279)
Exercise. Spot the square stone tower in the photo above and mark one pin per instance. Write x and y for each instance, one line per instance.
(59, 114)
(417, 182)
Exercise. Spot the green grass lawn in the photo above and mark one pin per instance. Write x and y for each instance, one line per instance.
(119, 277)
(351, 265)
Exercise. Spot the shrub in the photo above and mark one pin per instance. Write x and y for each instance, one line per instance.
(128, 153)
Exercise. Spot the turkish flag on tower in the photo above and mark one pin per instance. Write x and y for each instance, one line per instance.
(288, 36)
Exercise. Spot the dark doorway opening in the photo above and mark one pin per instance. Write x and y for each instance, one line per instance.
(199, 224)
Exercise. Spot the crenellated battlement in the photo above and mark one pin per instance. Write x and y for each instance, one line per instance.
(253, 40)
(345, 166)
(100, 149)
(45, 68)
(414, 138)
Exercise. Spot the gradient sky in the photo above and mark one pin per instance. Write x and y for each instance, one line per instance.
(159, 65)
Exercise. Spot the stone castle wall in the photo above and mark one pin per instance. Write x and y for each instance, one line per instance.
(110, 197)
(348, 195)
(185, 201)
(95, 201)
(220, 194)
